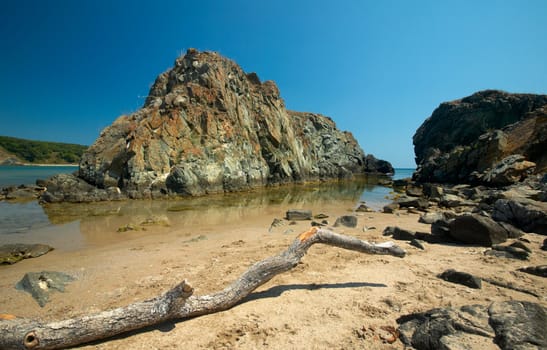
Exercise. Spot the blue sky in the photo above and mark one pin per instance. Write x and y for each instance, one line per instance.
(378, 68)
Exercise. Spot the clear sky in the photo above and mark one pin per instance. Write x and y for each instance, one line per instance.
(378, 68)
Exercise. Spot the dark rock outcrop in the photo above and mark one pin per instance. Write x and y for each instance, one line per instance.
(468, 140)
(374, 165)
(528, 215)
(69, 188)
(208, 127)
(509, 324)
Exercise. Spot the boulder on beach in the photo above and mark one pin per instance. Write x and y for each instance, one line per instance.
(41, 284)
(209, 127)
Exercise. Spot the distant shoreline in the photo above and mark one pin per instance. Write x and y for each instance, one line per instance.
(49, 165)
(40, 165)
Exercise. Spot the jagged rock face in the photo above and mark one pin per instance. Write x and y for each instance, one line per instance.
(463, 139)
(208, 127)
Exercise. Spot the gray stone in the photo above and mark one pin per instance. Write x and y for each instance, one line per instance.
(41, 284)
(346, 220)
(463, 278)
(297, 214)
(12, 253)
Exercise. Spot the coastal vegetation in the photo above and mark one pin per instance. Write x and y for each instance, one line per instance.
(40, 152)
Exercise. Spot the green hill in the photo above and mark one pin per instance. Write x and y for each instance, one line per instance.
(39, 152)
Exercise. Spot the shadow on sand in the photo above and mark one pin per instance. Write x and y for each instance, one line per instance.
(273, 292)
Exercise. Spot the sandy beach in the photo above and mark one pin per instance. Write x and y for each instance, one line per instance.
(334, 299)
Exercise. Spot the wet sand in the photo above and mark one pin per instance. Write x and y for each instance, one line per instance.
(333, 299)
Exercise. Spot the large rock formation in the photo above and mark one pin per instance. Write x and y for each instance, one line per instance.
(208, 127)
(490, 137)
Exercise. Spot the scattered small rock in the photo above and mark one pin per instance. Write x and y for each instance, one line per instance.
(540, 270)
(414, 191)
(195, 239)
(415, 202)
(431, 217)
(12, 253)
(417, 243)
(463, 278)
(128, 227)
(41, 284)
(399, 233)
(519, 244)
(346, 220)
(390, 208)
(297, 214)
(363, 208)
(321, 216)
(510, 252)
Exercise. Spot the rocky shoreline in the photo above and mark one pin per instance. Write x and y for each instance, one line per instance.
(208, 127)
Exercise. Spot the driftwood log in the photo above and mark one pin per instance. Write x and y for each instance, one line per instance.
(177, 303)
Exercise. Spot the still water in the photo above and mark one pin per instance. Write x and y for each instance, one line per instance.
(29, 221)
(11, 175)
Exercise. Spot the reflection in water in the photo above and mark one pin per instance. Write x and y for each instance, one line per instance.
(21, 217)
(98, 223)
(298, 196)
